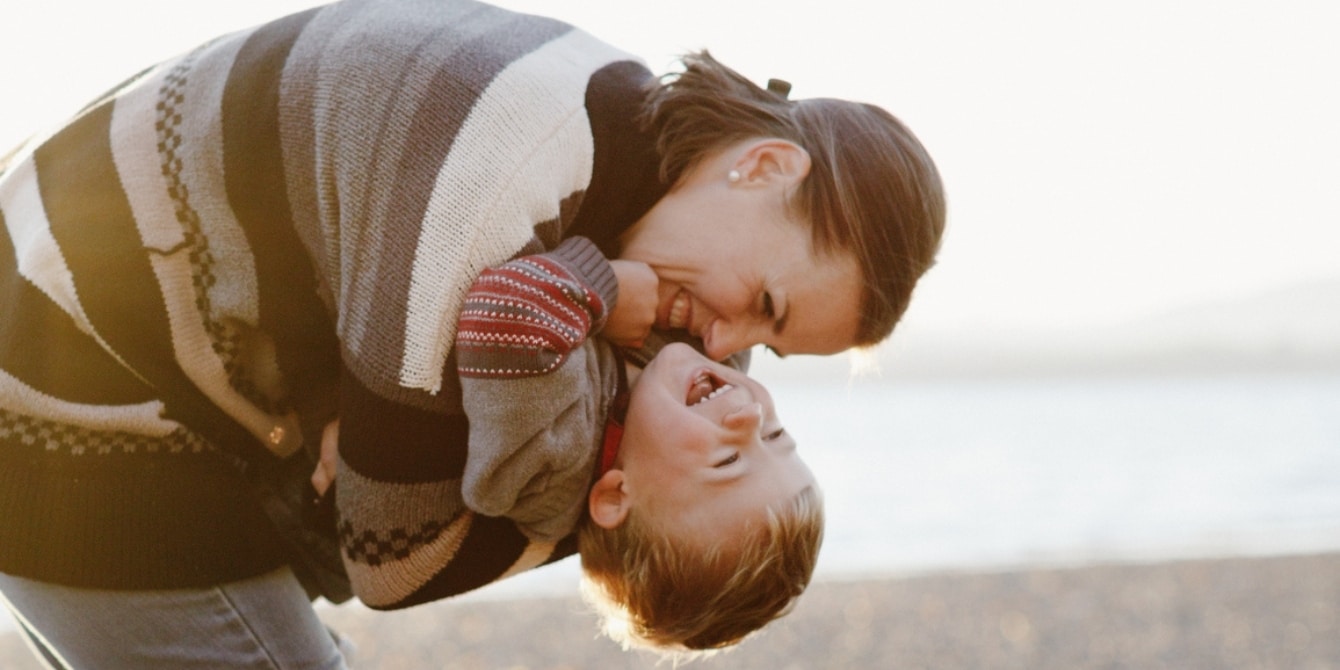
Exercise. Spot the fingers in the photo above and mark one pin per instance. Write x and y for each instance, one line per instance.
(321, 481)
(324, 475)
(634, 313)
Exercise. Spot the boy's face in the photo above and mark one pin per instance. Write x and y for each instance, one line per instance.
(702, 449)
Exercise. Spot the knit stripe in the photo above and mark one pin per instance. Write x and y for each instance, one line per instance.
(141, 521)
(291, 311)
(105, 519)
(489, 551)
(535, 554)
(225, 264)
(141, 419)
(149, 150)
(390, 567)
(38, 257)
(306, 120)
(527, 144)
(427, 446)
(372, 198)
(63, 361)
(92, 223)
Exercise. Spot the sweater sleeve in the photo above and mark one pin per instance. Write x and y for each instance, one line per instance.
(535, 387)
(524, 317)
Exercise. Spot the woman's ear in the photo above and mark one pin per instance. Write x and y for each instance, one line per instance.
(608, 502)
(768, 159)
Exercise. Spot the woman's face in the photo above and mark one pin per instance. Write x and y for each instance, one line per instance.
(737, 270)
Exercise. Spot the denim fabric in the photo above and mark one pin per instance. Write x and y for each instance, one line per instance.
(263, 622)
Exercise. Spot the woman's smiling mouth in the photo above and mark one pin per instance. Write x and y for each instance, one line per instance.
(681, 311)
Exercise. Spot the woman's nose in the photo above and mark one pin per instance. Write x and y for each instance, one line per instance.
(724, 339)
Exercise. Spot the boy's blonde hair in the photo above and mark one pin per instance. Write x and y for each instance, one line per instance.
(674, 595)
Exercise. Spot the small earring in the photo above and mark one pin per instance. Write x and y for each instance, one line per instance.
(733, 176)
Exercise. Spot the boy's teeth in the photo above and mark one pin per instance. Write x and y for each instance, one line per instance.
(702, 387)
(724, 388)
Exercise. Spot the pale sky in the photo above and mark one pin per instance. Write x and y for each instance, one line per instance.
(1104, 161)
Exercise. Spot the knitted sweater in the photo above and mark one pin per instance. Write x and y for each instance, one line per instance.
(535, 386)
(277, 228)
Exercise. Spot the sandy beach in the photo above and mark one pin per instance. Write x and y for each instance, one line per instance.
(1259, 613)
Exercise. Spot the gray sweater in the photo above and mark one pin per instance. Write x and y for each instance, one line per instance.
(536, 388)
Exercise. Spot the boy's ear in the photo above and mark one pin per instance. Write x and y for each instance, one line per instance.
(608, 502)
(772, 159)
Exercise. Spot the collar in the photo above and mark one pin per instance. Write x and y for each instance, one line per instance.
(625, 180)
(614, 420)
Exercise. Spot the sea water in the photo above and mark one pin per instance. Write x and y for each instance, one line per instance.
(1009, 473)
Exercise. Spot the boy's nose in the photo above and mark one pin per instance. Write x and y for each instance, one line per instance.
(745, 420)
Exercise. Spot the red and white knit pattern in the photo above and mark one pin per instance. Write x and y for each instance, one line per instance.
(523, 318)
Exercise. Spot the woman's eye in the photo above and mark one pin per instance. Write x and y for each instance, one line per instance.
(769, 310)
(775, 435)
(727, 461)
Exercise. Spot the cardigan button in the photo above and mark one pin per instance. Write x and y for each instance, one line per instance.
(277, 435)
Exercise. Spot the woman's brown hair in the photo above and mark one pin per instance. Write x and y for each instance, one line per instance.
(872, 189)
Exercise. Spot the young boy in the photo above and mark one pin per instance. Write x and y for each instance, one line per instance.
(697, 521)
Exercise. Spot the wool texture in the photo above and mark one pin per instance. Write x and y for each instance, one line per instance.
(277, 228)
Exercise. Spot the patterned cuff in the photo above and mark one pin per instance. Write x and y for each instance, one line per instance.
(583, 258)
(523, 318)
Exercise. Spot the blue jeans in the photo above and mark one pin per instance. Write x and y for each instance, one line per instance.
(263, 622)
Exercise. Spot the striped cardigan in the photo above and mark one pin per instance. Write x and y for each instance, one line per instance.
(276, 228)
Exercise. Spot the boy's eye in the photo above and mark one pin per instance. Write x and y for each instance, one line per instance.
(730, 459)
(769, 310)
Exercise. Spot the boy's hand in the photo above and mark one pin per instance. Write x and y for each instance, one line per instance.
(324, 475)
(634, 313)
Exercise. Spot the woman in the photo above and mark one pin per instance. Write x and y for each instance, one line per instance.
(244, 242)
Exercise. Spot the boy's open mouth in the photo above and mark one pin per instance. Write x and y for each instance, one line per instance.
(705, 387)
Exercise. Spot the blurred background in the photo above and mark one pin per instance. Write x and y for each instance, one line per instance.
(1129, 350)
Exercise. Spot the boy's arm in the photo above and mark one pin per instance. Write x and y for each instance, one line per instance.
(535, 387)
(524, 317)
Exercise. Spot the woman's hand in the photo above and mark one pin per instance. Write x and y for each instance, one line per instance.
(324, 475)
(634, 313)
